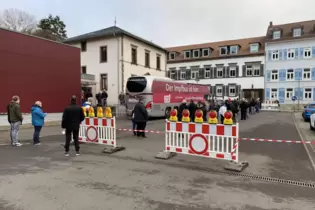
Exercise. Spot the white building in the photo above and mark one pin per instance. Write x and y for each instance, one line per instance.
(111, 55)
(290, 63)
(232, 68)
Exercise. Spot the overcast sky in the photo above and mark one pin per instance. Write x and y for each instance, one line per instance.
(172, 22)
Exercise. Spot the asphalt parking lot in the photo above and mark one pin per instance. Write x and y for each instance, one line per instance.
(42, 178)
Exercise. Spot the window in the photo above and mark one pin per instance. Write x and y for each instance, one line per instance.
(134, 55)
(207, 72)
(232, 90)
(232, 71)
(103, 54)
(307, 52)
(183, 75)
(289, 93)
(194, 74)
(256, 71)
(275, 55)
(196, 53)
(291, 54)
(297, 32)
(103, 82)
(306, 74)
(274, 75)
(205, 52)
(274, 94)
(276, 35)
(83, 70)
(219, 90)
(158, 62)
(308, 93)
(83, 46)
(290, 74)
(171, 56)
(254, 47)
(219, 72)
(249, 70)
(147, 59)
(233, 50)
(172, 74)
(223, 50)
(187, 54)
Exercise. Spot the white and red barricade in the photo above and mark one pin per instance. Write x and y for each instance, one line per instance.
(202, 139)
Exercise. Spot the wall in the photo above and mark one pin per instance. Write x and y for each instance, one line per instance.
(296, 64)
(245, 82)
(140, 69)
(37, 69)
(91, 59)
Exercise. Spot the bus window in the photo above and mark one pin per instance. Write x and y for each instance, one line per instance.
(136, 84)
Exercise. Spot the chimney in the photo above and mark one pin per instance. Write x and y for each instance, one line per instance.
(270, 24)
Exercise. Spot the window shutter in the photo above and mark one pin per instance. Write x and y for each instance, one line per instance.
(226, 93)
(280, 54)
(301, 93)
(300, 74)
(297, 74)
(269, 55)
(212, 88)
(215, 91)
(281, 95)
(214, 72)
(168, 74)
(301, 52)
(282, 74)
(267, 94)
(268, 75)
(188, 74)
(261, 69)
(177, 76)
(285, 54)
(201, 73)
(313, 94)
(238, 91)
(296, 53)
(244, 71)
(296, 92)
(313, 51)
(227, 71)
(237, 70)
(313, 73)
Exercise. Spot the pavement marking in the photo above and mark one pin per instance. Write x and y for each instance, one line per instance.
(301, 134)
(10, 144)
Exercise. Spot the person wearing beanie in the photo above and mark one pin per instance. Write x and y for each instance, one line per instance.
(71, 119)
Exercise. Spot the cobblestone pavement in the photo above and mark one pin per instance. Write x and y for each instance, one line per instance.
(37, 178)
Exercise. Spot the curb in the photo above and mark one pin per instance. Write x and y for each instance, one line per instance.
(301, 134)
(29, 125)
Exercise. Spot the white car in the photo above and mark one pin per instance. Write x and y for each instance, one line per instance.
(312, 122)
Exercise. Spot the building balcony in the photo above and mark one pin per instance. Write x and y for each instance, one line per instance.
(89, 77)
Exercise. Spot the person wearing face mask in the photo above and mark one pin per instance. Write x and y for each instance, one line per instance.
(38, 117)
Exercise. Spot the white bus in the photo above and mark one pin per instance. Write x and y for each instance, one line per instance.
(161, 94)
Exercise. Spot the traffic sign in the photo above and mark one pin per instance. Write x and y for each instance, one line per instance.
(294, 98)
(91, 134)
(198, 144)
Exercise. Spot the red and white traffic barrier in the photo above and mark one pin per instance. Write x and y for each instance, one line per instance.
(100, 131)
(202, 139)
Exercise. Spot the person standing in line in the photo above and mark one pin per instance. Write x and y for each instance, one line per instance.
(140, 118)
(192, 109)
(71, 119)
(222, 111)
(181, 108)
(15, 119)
(37, 121)
(134, 126)
(104, 97)
(243, 107)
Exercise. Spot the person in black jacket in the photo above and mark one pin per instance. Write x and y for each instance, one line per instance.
(181, 108)
(192, 109)
(202, 106)
(140, 118)
(243, 107)
(71, 119)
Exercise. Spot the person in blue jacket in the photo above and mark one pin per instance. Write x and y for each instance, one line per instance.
(37, 121)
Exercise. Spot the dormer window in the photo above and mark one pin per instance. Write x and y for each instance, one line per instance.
(297, 32)
(196, 53)
(234, 50)
(171, 56)
(223, 50)
(205, 52)
(187, 54)
(276, 35)
(254, 47)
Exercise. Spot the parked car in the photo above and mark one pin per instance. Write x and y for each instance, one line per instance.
(312, 122)
(309, 109)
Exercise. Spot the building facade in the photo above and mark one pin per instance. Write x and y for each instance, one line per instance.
(232, 69)
(110, 56)
(290, 63)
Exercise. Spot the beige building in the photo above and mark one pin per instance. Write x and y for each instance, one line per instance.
(110, 56)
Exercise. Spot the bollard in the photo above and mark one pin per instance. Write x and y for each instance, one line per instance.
(108, 112)
(173, 115)
(185, 115)
(100, 112)
(199, 116)
(91, 112)
(213, 117)
(228, 118)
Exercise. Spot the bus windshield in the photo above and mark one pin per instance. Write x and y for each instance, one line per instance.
(136, 84)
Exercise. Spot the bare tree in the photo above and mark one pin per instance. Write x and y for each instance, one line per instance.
(17, 20)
